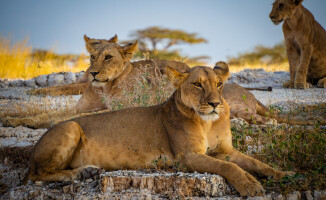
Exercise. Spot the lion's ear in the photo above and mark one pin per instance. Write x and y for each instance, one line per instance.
(91, 43)
(222, 70)
(297, 2)
(129, 49)
(114, 39)
(175, 77)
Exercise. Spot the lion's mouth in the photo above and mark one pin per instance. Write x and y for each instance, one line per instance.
(277, 22)
(99, 81)
(212, 116)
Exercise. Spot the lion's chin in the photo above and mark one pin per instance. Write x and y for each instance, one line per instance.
(210, 117)
(277, 22)
(99, 83)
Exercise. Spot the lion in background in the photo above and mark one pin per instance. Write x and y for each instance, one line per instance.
(193, 125)
(305, 41)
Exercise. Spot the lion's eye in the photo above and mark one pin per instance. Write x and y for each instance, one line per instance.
(219, 84)
(92, 57)
(280, 6)
(108, 57)
(197, 84)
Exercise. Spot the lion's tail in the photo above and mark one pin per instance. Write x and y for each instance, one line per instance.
(264, 111)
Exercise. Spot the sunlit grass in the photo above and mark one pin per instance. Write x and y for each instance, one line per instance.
(267, 67)
(18, 61)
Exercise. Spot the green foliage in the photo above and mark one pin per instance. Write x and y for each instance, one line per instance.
(167, 38)
(262, 55)
(157, 34)
(299, 149)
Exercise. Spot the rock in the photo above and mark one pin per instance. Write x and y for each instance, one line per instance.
(8, 141)
(79, 75)
(320, 195)
(30, 83)
(70, 77)
(279, 197)
(294, 196)
(308, 195)
(56, 79)
(16, 83)
(42, 80)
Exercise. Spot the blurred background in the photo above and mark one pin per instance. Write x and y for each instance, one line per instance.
(39, 37)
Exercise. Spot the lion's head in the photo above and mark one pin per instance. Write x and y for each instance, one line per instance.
(283, 9)
(107, 59)
(200, 89)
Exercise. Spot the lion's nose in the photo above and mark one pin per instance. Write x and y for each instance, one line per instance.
(213, 104)
(94, 73)
(272, 16)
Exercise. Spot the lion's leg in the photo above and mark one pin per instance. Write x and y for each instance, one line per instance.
(322, 83)
(300, 81)
(252, 165)
(294, 59)
(53, 153)
(43, 120)
(57, 90)
(244, 183)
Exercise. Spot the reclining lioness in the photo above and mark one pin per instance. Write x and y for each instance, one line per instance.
(110, 63)
(305, 41)
(194, 124)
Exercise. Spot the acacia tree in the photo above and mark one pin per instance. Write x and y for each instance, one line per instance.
(156, 35)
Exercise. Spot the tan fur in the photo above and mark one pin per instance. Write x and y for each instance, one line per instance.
(193, 121)
(305, 42)
(121, 74)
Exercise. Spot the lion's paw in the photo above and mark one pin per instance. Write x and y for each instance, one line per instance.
(322, 83)
(90, 172)
(288, 84)
(301, 85)
(247, 185)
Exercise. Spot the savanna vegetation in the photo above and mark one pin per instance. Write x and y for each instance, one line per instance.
(269, 58)
(19, 60)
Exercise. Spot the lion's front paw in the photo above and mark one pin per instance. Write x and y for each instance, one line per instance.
(288, 84)
(247, 185)
(301, 85)
(322, 83)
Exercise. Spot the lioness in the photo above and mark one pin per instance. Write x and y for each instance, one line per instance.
(194, 124)
(305, 41)
(110, 62)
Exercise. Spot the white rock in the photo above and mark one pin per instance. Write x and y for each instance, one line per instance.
(70, 77)
(319, 195)
(42, 80)
(56, 79)
(30, 83)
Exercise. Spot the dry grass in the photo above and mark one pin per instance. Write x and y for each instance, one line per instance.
(297, 148)
(266, 67)
(17, 60)
(147, 91)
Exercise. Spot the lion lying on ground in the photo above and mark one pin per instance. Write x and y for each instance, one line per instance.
(305, 41)
(192, 125)
(111, 72)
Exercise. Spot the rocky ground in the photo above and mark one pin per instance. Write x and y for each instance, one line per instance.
(122, 184)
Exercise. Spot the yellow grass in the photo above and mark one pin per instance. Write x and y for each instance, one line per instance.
(18, 61)
(266, 67)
